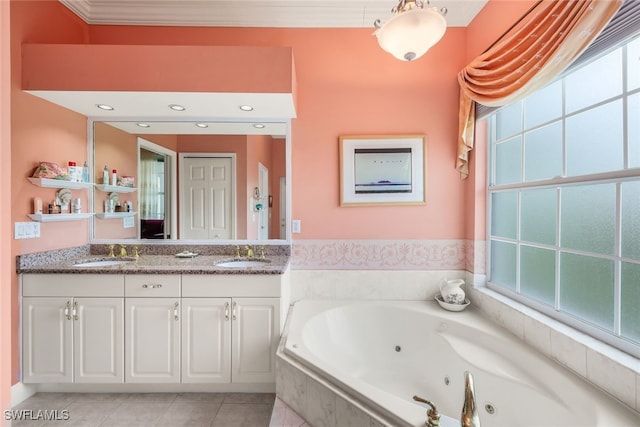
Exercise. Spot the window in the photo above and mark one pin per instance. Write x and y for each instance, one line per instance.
(564, 198)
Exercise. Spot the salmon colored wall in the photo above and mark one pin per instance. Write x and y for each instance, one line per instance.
(348, 85)
(260, 152)
(39, 131)
(345, 85)
(118, 150)
(6, 265)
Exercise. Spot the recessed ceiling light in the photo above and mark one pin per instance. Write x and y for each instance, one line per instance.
(246, 108)
(202, 125)
(105, 107)
(176, 107)
(258, 125)
(143, 125)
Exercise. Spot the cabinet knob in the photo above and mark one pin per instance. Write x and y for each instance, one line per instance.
(152, 285)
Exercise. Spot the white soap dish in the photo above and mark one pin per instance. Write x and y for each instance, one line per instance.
(450, 306)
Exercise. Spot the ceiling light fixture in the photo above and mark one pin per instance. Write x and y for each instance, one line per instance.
(258, 125)
(105, 107)
(202, 125)
(246, 108)
(412, 30)
(144, 125)
(176, 107)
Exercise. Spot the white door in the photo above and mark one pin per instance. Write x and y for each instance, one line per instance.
(263, 214)
(98, 340)
(206, 198)
(206, 340)
(47, 354)
(255, 334)
(152, 337)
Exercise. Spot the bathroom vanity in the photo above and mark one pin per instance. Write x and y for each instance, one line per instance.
(155, 320)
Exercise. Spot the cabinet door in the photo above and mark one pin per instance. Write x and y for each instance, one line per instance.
(47, 340)
(152, 340)
(206, 340)
(255, 334)
(98, 340)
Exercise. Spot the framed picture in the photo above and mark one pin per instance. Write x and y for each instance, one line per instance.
(382, 170)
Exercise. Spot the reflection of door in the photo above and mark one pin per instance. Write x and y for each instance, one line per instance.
(283, 208)
(263, 214)
(206, 198)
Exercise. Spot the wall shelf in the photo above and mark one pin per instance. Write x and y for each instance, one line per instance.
(115, 188)
(60, 217)
(111, 215)
(59, 183)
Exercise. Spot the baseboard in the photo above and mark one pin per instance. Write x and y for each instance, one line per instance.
(21, 392)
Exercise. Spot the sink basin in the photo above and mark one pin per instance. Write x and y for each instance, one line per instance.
(101, 263)
(243, 263)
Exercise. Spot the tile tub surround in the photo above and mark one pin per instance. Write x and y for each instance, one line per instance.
(609, 369)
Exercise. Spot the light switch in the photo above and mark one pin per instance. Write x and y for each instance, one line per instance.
(296, 226)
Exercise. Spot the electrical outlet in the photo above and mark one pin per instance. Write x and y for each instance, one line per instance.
(128, 222)
(296, 226)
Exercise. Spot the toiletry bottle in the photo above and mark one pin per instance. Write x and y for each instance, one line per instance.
(85, 172)
(37, 205)
(76, 206)
(105, 175)
(73, 172)
(114, 177)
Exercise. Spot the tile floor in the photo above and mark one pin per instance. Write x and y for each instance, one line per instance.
(155, 409)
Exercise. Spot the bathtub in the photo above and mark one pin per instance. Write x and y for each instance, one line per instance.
(379, 354)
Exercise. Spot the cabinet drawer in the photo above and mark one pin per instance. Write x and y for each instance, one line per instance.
(233, 285)
(152, 285)
(77, 285)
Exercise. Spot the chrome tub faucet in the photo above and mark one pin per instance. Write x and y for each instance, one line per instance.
(470, 416)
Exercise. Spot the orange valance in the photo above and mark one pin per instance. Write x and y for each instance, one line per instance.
(528, 57)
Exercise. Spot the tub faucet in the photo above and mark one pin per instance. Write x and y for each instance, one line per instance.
(433, 417)
(470, 416)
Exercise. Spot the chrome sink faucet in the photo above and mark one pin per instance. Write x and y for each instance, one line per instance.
(433, 417)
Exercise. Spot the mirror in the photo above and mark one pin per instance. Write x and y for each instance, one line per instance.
(213, 181)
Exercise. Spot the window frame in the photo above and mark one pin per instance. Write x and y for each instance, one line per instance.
(618, 177)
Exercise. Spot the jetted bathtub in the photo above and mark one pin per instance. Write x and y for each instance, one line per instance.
(384, 353)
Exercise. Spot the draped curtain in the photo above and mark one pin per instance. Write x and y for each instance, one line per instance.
(526, 58)
(151, 206)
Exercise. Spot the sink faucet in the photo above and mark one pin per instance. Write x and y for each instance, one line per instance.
(470, 416)
(249, 249)
(123, 251)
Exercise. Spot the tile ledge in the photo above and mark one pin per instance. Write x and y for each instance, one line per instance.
(624, 359)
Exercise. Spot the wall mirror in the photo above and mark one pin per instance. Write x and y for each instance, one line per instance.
(214, 181)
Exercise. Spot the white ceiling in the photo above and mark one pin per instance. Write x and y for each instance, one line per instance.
(208, 107)
(257, 13)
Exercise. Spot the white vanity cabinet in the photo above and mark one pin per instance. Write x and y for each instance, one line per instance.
(152, 334)
(231, 327)
(72, 328)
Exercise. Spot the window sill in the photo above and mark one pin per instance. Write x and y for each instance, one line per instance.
(610, 369)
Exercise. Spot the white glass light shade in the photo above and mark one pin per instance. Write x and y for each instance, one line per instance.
(409, 35)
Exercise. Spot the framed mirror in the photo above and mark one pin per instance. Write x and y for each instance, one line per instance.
(214, 181)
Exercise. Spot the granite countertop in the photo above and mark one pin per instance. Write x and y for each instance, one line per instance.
(160, 264)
